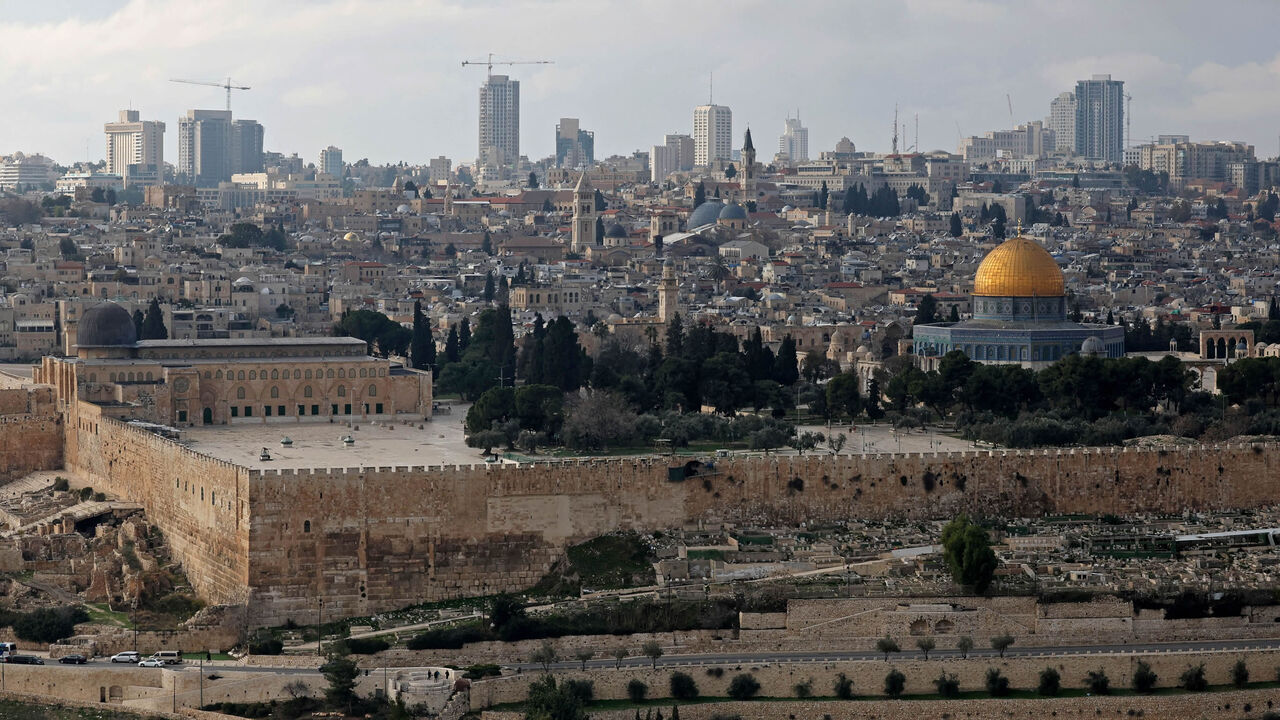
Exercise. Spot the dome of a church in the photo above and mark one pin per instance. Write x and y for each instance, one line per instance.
(616, 231)
(1019, 267)
(105, 325)
(705, 214)
(733, 211)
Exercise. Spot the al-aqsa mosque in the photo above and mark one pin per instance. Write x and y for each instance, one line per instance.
(1019, 315)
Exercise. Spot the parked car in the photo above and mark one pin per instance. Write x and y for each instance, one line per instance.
(151, 662)
(128, 656)
(73, 659)
(169, 657)
(24, 660)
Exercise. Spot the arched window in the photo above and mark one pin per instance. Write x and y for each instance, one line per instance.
(373, 390)
(364, 373)
(240, 375)
(253, 374)
(329, 373)
(297, 374)
(306, 526)
(342, 391)
(206, 374)
(306, 391)
(275, 391)
(239, 393)
(342, 372)
(308, 375)
(148, 377)
(218, 374)
(275, 374)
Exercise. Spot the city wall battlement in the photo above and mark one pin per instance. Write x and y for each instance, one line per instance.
(370, 539)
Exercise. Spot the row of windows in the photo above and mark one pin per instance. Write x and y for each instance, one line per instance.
(307, 391)
(282, 410)
(297, 374)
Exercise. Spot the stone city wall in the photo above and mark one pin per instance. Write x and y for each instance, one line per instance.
(199, 502)
(30, 431)
(372, 539)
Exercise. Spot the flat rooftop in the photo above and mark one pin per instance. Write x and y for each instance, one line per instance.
(320, 445)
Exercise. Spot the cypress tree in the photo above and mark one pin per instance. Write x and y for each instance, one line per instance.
(137, 324)
(464, 335)
(153, 323)
(956, 228)
(451, 345)
(422, 348)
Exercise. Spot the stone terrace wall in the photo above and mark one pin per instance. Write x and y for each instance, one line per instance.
(30, 431)
(779, 680)
(374, 539)
(200, 503)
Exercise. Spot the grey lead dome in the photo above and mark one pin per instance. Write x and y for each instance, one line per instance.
(106, 324)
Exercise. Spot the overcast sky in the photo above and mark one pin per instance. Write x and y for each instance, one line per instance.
(382, 78)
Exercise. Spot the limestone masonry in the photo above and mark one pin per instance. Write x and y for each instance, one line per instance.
(373, 539)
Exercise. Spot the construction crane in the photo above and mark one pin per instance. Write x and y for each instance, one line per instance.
(224, 85)
(491, 62)
(1009, 100)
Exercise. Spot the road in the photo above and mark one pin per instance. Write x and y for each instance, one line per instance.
(760, 658)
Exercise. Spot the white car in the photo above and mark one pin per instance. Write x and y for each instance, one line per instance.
(128, 656)
(151, 662)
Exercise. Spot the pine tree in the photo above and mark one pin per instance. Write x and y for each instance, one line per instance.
(153, 323)
(533, 180)
(486, 245)
(599, 231)
(956, 228)
(675, 337)
(422, 348)
(488, 286)
(699, 194)
(955, 314)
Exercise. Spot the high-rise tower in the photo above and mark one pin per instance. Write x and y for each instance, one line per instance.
(500, 121)
(794, 142)
(712, 133)
(1100, 119)
(135, 149)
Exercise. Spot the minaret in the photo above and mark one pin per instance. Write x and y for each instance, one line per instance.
(748, 171)
(584, 216)
(668, 293)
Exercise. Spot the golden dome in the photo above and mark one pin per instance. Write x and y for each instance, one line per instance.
(351, 237)
(1019, 268)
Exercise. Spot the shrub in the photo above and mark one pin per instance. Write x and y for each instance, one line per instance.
(1097, 682)
(1050, 682)
(86, 493)
(715, 672)
(948, 685)
(584, 690)
(483, 670)
(265, 644)
(366, 646)
(743, 687)
(997, 684)
(1192, 679)
(60, 484)
(448, 638)
(683, 687)
(1144, 679)
(99, 497)
(843, 687)
(894, 683)
(637, 690)
(1240, 674)
(804, 689)
(46, 625)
